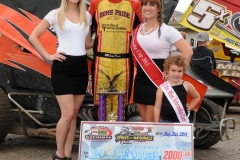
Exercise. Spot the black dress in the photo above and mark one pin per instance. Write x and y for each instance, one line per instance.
(70, 76)
(144, 89)
(167, 111)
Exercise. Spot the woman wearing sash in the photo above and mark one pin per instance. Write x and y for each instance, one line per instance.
(155, 39)
(164, 111)
(69, 74)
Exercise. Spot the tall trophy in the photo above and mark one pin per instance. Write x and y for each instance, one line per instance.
(111, 91)
(112, 86)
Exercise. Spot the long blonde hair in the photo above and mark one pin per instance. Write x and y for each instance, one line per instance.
(62, 10)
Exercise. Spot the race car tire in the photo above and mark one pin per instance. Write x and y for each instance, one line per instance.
(131, 113)
(135, 119)
(5, 115)
(210, 111)
(220, 110)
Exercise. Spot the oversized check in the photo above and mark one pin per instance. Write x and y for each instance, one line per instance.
(135, 141)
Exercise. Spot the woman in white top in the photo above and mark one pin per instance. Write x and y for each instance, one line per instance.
(156, 39)
(69, 75)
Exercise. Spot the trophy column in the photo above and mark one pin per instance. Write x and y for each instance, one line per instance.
(102, 106)
(120, 107)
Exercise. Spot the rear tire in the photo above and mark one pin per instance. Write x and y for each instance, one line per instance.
(135, 119)
(131, 113)
(5, 115)
(210, 111)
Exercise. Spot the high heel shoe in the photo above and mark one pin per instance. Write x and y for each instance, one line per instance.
(68, 158)
(55, 156)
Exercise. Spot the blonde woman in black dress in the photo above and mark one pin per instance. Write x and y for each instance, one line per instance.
(69, 76)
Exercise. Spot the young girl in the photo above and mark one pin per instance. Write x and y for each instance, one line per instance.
(174, 66)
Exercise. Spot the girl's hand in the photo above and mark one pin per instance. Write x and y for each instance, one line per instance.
(187, 107)
(165, 76)
(59, 56)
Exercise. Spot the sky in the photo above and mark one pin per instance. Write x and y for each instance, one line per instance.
(183, 5)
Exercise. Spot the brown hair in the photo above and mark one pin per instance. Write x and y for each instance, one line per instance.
(178, 60)
(159, 4)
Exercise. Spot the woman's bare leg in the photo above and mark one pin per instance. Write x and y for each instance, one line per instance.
(149, 113)
(142, 111)
(66, 103)
(78, 99)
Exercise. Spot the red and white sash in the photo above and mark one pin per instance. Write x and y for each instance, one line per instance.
(175, 102)
(156, 76)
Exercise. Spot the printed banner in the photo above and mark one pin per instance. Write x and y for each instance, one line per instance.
(135, 141)
(228, 69)
(220, 18)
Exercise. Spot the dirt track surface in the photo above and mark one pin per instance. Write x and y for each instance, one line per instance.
(26, 148)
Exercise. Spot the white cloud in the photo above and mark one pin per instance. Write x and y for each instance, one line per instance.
(183, 5)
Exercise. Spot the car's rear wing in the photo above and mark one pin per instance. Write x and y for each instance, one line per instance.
(18, 19)
(220, 18)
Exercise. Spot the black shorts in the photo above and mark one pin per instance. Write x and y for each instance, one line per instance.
(70, 76)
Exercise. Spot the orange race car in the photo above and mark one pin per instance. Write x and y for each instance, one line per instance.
(28, 105)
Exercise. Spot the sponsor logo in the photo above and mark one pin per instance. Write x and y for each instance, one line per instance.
(216, 43)
(135, 134)
(228, 69)
(112, 55)
(98, 133)
(229, 40)
(115, 13)
(237, 44)
(111, 27)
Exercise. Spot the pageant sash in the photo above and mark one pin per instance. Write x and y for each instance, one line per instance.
(175, 102)
(146, 63)
(155, 75)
